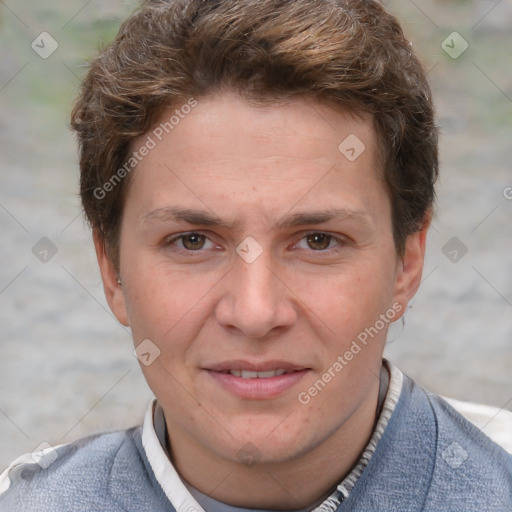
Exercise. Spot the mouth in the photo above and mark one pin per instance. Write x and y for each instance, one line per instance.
(248, 374)
(257, 381)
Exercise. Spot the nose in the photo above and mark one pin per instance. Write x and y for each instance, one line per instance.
(256, 302)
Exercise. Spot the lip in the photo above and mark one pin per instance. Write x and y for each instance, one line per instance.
(256, 389)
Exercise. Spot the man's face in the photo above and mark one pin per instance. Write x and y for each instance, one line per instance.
(251, 242)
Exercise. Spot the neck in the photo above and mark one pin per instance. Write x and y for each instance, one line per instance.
(285, 485)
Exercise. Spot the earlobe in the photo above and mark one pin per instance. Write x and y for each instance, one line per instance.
(410, 265)
(112, 284)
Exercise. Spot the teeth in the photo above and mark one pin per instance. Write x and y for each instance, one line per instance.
(266, 375)
(246, 374)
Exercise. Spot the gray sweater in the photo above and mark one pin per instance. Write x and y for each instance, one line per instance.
(429, 459)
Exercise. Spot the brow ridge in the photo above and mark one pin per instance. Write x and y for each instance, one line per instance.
(205, 218)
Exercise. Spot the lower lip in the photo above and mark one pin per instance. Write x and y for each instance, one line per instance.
(258, 389)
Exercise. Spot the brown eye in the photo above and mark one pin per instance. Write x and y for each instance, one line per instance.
(193, 241)
(318, 241)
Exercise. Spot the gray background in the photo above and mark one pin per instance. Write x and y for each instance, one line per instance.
(66, 365)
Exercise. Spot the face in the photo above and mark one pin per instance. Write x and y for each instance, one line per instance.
(251, 242)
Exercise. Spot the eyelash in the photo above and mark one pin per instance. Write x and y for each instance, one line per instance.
(339, 242)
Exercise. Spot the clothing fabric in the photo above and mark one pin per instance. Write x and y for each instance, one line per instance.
(429, 458)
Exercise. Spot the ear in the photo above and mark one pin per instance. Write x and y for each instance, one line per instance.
(113, 289)
(410, 265)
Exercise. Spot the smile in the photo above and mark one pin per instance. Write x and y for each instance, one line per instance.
(256, 382)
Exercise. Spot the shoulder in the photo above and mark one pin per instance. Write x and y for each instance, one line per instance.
(456, 423)
(470, 470)
(431, 458)
(494, 422)
(88, 474)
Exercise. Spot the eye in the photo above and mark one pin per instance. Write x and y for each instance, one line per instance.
(190, 241)
(318, 241)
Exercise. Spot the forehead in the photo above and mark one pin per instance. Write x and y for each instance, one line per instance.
(257, 158)
(319, 126)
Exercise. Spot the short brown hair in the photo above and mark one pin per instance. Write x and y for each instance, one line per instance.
(350, 53)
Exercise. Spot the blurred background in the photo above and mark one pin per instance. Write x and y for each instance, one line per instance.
(66, 365)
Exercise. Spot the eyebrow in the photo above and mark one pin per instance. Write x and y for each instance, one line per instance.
(205, 218)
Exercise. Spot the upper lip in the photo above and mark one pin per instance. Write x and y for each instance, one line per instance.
(265, 366)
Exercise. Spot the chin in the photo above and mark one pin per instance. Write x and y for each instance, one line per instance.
(266, 440)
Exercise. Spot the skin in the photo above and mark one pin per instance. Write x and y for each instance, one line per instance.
(303, 300)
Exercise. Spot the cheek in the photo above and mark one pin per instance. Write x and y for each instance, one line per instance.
(167, 307)
(150, 285)
(351, 297)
